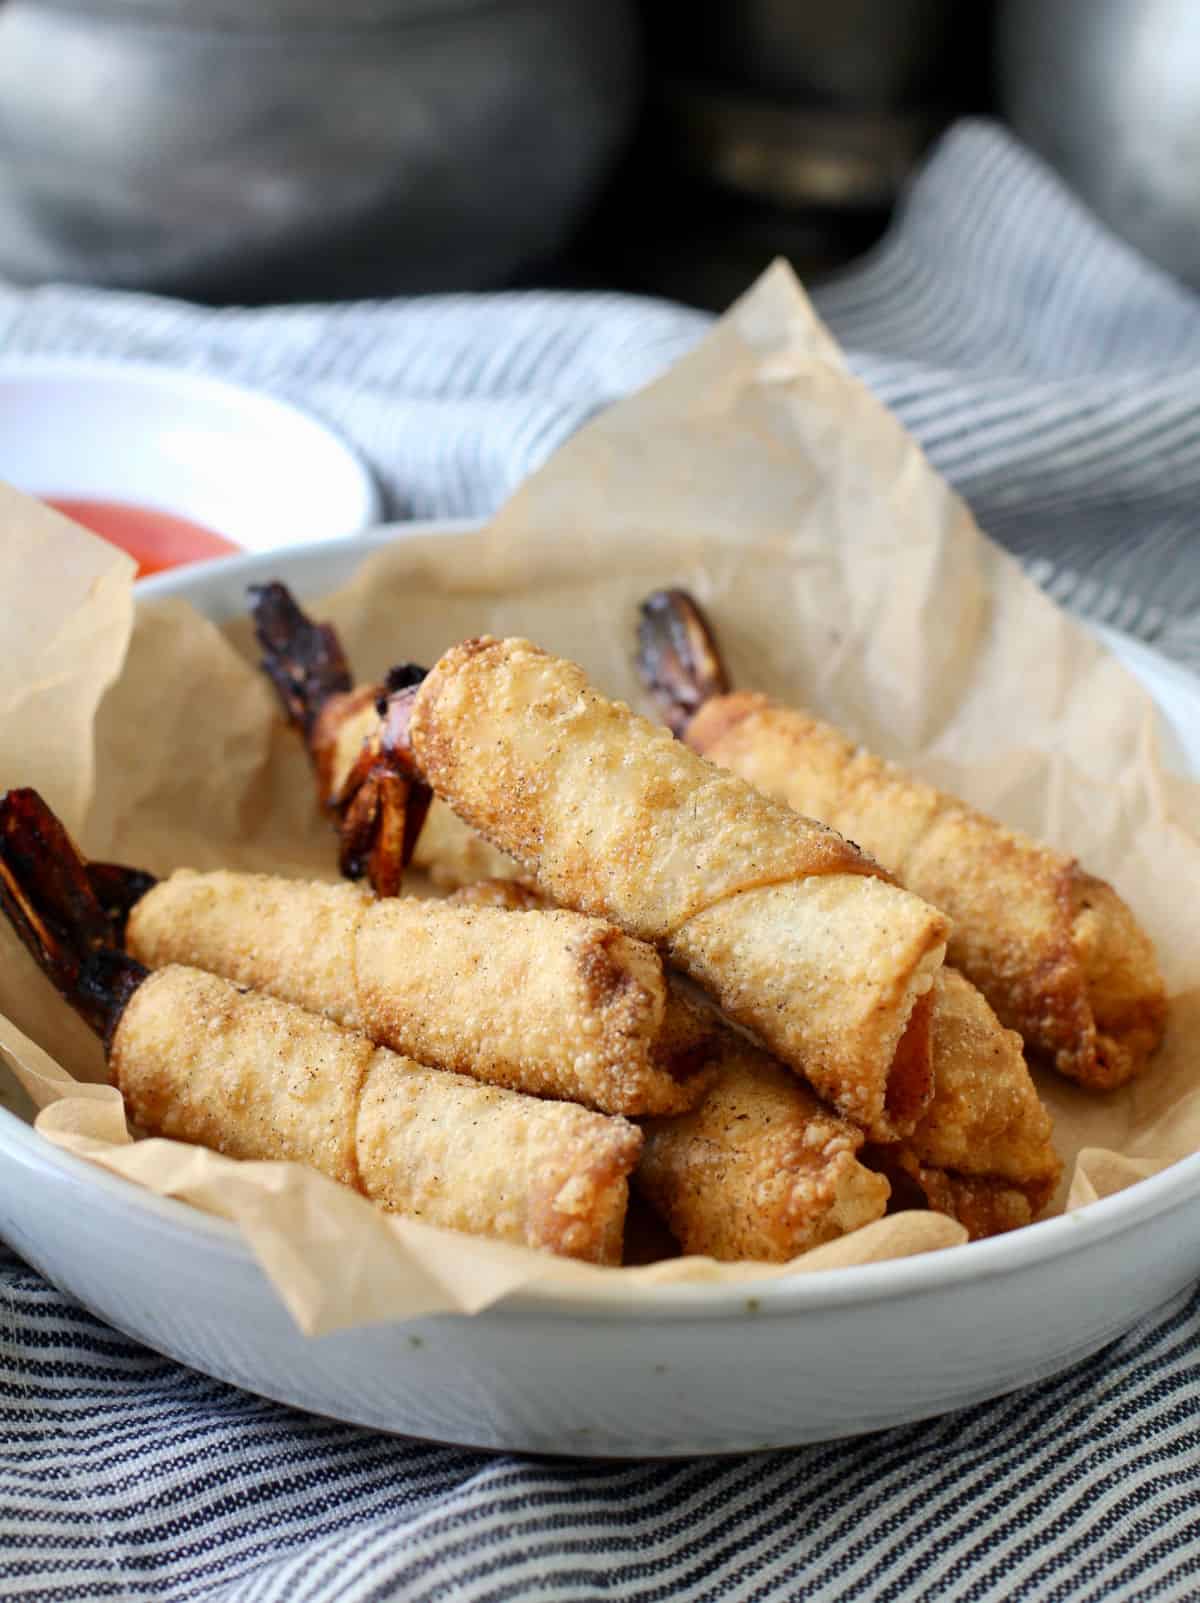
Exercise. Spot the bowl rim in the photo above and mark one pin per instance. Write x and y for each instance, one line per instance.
(808, 1292)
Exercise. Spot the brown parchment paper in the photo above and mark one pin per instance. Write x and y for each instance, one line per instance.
(840, 571)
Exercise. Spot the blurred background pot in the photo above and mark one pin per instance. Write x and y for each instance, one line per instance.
(802, 103)
(222, 148)
(1108, 91)
(780, 127)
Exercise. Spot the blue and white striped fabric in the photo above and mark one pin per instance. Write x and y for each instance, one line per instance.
(1053, 376)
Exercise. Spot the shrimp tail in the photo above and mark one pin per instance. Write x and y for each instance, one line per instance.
(383, 803)
(303, 659)
(377, 807)
(118, 890)
(678, 659)
(47, 895)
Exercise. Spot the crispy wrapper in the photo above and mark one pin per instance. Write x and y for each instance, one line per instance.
(198, 1059)
(986, 1117)
(510, 893)
(983, 1150)
(551, 1003)
(983, 1145)
(760, 1169)
(796, 934)
(985, 1205)
(1056, 952)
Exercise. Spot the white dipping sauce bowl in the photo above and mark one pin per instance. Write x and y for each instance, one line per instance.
(236, 461)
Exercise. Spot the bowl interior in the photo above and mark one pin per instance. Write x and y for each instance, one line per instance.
(218, 590)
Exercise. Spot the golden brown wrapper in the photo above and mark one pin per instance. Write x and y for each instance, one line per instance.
(985, 1205)
(292, 938)
(510, 893)
(1056, 952)
(551, 1003)
(198, 1059)
(986, 1117)
(453, 855)
(983, 1151)
(760, 1169)
(796, 934)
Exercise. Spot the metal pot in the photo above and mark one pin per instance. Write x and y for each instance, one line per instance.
(1108, 91)
(803, 105)
(344, 147)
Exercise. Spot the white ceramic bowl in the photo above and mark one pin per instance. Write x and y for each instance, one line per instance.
(641, 1371)
(241, 463)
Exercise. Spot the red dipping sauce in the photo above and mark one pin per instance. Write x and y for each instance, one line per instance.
(157, 540)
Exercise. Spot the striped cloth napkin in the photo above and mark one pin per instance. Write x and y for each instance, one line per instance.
(1052, 375)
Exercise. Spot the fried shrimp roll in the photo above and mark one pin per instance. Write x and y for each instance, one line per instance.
(986, 1117)
(200, 1059)
(795, 933)
(982, 1151)
(985, 1205)
(1056, 952)
(760, 1169)
(453, 855)
(547, 1002)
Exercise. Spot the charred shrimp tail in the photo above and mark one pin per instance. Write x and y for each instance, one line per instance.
(395, 707)
(678, 659)
(379, 824)
(47, 895)
(378, 809)
(303, 659)
(118, 890)
(383, 803)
